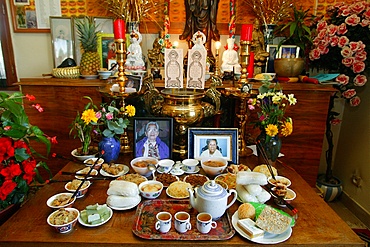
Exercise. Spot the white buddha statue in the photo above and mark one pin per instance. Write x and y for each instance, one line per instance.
(230, 58)
(134, 59)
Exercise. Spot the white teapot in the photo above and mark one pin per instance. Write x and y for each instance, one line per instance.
(211, 198)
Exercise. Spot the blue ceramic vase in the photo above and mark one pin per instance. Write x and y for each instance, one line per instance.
(111, 147)
(271, 147)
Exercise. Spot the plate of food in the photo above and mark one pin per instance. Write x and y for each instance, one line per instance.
(274, 226)
(113, 170)
(166, 179)
(264, 77)
(95, 215)
(178, 190)
(133, 177)
(121, 203)
(81, 173)
(196, 179)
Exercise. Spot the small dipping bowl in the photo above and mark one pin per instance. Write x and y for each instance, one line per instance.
(81, 192)
(55, 197)
(104, 74)
(190, 164)
(280, 179)
(165, 166)
(150, 189)
(67, 227)
(289, 197)
(91, 161)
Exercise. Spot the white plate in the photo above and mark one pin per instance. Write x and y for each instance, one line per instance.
(124, 208)
(267, 238)
(93, 172)
(175, 197)
(90, 76)
(89, 225)
(197, 169)
(123, 172)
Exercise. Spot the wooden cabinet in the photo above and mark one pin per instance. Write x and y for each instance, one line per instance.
(62, 98)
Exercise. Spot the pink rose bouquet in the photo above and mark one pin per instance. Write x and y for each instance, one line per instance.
(341, 44)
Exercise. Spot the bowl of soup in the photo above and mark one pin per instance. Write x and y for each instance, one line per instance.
(213, 166)
(140, 165)
(150, 189)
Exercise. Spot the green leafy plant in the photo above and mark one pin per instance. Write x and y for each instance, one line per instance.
(18, 165)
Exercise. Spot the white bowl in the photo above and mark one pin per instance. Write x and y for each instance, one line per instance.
(81, 192)
(165, 165)
(54, 197)
(153, 192)
(190, 164)
(280, 179)
(143, 170)
(67, 227)
(289, 197)
(104, 74)
(213, 170)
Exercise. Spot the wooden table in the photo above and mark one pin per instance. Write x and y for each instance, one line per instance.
(317, 224)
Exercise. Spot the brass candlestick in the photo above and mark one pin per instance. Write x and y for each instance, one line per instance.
(216, 77)
(121, 80)
(244, 59)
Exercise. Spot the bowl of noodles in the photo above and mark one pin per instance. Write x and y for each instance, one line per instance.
(61, 200)
(73, 185)
(64, 219)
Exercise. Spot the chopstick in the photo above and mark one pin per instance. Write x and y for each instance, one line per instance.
(76, 174)
(86, 176)
(264, 155)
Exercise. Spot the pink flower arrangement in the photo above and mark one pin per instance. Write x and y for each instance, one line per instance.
(341, 44)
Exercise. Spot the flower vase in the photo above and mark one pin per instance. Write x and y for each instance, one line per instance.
(268, 33)
(111, 147)
(272, 148)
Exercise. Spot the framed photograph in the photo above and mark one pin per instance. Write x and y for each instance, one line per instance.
(288, 51)
(61, 39)
(273, 53)
(106, 48)
(104, 25)
(133, 83)
(21, 2)
(213, 142)
(153, 137)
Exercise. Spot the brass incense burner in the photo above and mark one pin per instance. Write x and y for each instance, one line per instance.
(185, 106)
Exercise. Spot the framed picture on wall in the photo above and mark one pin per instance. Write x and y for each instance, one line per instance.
(61, 38)
(153, 137)
(273, 53)
(104, 25)
(106, 48)
(213, 142)
(288, 51)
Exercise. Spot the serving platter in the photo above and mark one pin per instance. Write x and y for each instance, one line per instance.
(267, 238)
(144, 222)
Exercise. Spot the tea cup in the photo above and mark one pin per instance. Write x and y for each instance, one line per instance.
(190, 164)
(163, 223)
(205, 222)
(182, 222)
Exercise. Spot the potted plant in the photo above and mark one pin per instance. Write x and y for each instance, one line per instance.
(340, 45)
(82, 127)
(295, 32)
(18, 164)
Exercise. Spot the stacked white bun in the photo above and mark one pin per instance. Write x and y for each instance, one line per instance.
(249, 187)
(123, 194)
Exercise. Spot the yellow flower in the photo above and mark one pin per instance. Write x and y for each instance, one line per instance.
(130, 110)
(271, 130)
(287, 127)
(89, 116)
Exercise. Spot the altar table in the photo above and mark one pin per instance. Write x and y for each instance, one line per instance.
(317, 223)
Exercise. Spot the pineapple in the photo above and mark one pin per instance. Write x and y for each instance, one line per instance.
(90, 59)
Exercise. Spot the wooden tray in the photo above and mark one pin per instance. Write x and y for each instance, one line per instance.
(145, 219)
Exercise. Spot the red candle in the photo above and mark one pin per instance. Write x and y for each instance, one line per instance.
(119, 28)
(250, 68)
(246, 34)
